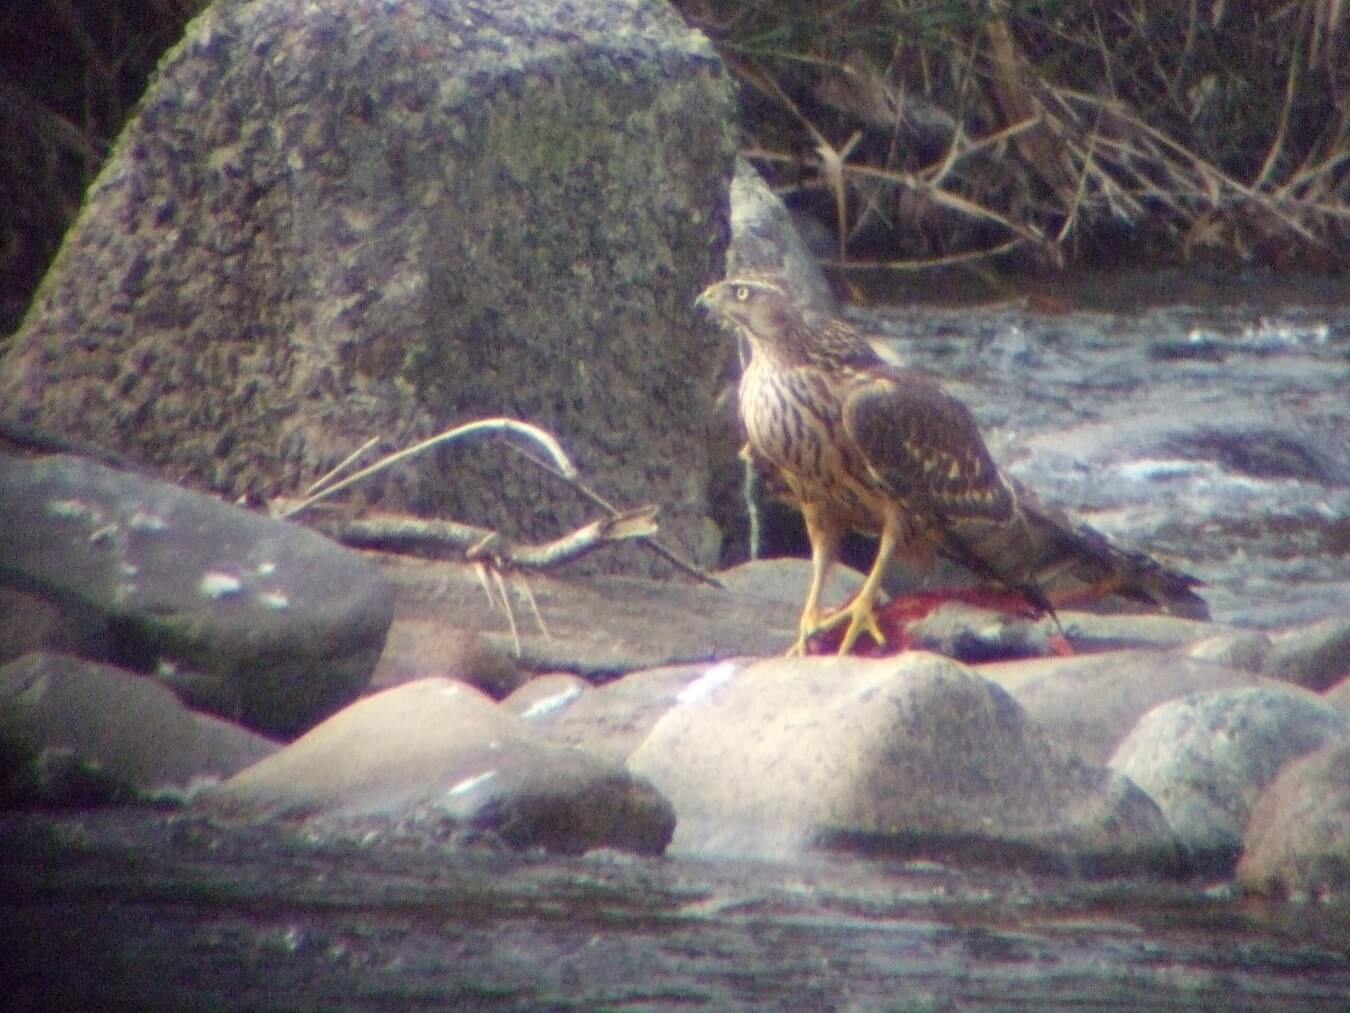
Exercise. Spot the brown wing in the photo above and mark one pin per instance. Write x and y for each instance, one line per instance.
(926, 448)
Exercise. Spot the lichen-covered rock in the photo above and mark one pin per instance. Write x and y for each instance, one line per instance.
(1298, 837)
(911, 755)
(437, 753)
(1206, 757)
(338, 219)
(259, 620)
(76, 732)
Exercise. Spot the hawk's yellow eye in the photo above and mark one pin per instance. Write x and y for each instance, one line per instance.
(742, 293)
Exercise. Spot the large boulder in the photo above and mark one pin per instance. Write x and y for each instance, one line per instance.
(331, 220)
(256, 619)
(913, 755)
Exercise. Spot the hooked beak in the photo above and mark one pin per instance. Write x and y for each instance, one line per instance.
(706, 300)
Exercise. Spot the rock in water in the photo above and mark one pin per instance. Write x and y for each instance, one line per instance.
(348, 218)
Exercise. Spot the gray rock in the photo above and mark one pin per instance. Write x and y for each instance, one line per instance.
(545, 698)
(1315, 656)
(1248, 650)
(30, 622)
(613, 720)
(1298, 837)
(1092, 702)
(327, 222)
(1338, 696)
(915, 755)
(438, 753)
(764, 238)
(1205, 758)
(75, 732)
(255, 619)
(420, 648)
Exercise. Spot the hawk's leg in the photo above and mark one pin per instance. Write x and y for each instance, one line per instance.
(824, 538)
(860, 613)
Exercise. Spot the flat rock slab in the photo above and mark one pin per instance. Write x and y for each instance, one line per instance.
(1206, 757)
(256, 619)
(341, 219)
(597, 626)
(76, 732)
(440, 756)
(915, 755)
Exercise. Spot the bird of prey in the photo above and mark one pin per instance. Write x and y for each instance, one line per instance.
(863, 445)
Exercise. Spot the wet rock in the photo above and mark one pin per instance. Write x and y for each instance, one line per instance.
(307, 236)
(76, 732)
(612, 720)
(1314, 656)
(1206, 757)
(255, 619)
(1245, 649)
(1092, 702)
(420, 648)
(916, 755)
(439, 755)
(1298, 836)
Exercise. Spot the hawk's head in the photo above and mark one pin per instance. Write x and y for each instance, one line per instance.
(761, 307)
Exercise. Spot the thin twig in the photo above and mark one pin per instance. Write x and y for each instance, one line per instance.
(341, 466)
(669, 555)
(500, 425)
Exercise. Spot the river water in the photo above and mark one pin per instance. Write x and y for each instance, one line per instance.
(1214, 432)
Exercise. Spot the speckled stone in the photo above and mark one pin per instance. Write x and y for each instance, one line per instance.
(337, 219)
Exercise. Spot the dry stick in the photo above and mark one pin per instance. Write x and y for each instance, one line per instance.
(341, 466)
(1204, 168)
(928, 180)
(498, 425)
(485, 545)
(669, 555)
(1277, 143)
(1080, 193)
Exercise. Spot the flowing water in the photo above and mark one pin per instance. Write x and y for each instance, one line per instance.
(1214, 436)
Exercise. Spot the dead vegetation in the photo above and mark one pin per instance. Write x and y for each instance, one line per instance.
(931, 132)
(70, 73)
(926, 131)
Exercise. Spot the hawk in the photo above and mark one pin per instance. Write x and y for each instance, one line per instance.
(865, 446)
